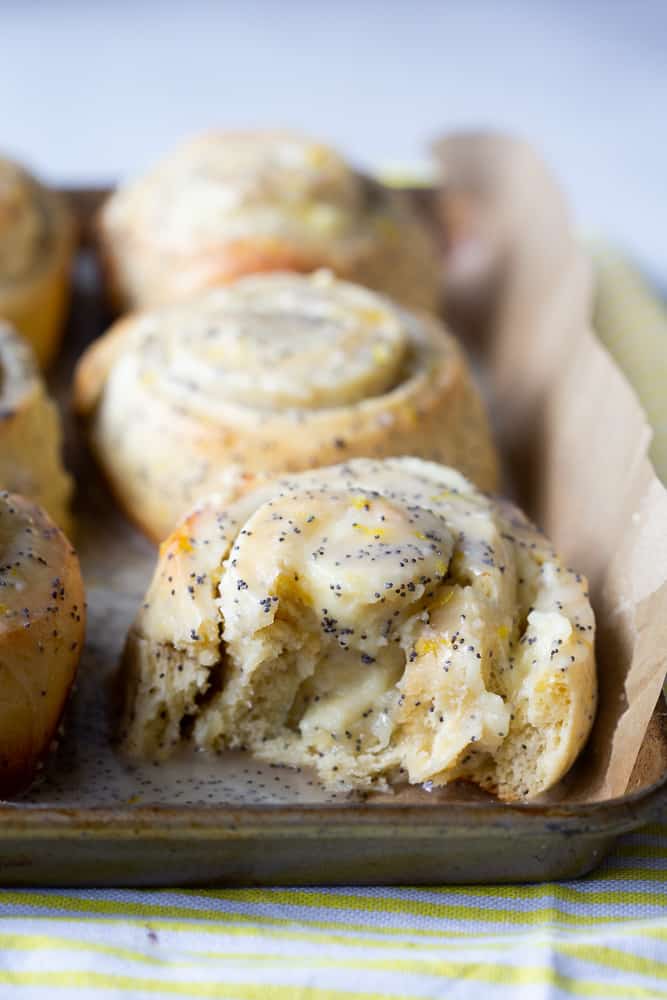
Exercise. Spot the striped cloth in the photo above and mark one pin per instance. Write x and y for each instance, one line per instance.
(603, 936)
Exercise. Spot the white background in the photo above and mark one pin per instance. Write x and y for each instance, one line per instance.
(93, 91)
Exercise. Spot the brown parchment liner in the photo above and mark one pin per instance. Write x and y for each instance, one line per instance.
(571, 428)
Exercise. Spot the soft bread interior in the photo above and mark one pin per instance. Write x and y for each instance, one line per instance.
(382, 622)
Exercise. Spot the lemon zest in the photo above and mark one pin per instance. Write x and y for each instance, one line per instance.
(370, 316)
(367, 530)
(179, 541)
(425, 646)
(287, 588)
(317, 155)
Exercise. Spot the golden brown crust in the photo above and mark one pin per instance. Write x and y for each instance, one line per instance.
(95, 364)
(30, 432)
(408, 394)
(35, 300)
(42, 623)
(319, 214)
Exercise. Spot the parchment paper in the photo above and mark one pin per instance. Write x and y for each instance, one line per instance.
(572, 429)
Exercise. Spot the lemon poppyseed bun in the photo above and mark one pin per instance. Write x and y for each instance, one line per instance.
(30, 432)
(276, 373)
(36, 247)
(42, 622)
(228, 204)
(380, 621)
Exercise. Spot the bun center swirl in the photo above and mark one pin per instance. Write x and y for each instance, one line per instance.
(379, 583)
(269, 345)
(246, 183)
(351, 554)
(275, 373)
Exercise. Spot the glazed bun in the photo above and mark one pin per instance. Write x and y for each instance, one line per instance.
(381, 622)
(36, 247)
(42, 622)
(30, 432)
(227, 204)
(276, 373)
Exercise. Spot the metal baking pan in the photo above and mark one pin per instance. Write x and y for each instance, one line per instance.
(91, 819)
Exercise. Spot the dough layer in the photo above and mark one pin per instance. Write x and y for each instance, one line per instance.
(381, 622)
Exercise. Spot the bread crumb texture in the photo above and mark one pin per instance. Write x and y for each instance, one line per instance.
(381, 622)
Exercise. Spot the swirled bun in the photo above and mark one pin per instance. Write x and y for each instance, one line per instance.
(379, 621)
(42, 622)
(228, 204)
(30, 432)
(276, 373)
(36, 247)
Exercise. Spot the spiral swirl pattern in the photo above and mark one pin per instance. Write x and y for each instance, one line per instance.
(274, 373)
(228, 204)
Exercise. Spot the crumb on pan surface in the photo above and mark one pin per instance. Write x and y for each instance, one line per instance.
(42, 623)
(381, 622)
(276, 373)
(227, 204)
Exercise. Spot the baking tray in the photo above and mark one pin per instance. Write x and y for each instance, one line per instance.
(92, 819)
